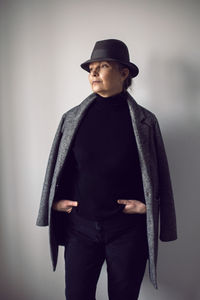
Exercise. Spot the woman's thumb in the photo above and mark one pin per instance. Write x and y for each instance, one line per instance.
(72, 203)
(122, 201)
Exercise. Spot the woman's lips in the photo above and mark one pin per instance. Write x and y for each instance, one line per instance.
(96, 81)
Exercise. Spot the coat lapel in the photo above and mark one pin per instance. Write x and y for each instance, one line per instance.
(141, 126)
(72, 121)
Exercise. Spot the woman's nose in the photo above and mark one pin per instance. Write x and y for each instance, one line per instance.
(94, 72)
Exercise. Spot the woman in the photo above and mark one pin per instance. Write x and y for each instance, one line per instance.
(107, 182)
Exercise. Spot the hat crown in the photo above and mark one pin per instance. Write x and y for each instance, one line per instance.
(112, 48)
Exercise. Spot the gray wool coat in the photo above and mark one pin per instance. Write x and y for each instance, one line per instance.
(161, 218)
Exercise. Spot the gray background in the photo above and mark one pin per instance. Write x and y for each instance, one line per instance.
(42, 44)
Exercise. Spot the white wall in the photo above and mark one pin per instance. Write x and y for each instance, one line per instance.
(42, 44)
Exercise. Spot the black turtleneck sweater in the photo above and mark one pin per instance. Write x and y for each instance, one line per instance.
(105, 155)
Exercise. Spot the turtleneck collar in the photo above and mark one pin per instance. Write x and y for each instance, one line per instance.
(112, 100)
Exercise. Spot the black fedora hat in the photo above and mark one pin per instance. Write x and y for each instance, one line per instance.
(111, 50)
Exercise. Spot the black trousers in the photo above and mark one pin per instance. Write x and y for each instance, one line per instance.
(121, 241)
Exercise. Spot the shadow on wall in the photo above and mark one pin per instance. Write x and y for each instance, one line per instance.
(174, 86)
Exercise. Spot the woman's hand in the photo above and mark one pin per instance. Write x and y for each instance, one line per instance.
(133, 206)
(64, 205)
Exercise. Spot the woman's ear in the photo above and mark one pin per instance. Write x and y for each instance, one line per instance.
(125, 73)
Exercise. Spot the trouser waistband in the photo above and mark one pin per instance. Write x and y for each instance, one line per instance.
(116, 221)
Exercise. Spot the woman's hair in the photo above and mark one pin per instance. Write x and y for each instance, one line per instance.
(128, 80)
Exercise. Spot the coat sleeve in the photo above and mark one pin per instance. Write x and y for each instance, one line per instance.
(42, 219)
(168, 228)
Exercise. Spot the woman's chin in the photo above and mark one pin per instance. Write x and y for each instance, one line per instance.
(96, 89)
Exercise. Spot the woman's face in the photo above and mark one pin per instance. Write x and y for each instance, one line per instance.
(106, 78)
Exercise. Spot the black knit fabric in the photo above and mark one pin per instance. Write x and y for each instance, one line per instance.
(105, 155)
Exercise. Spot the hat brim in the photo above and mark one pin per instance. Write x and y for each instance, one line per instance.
(132, 67)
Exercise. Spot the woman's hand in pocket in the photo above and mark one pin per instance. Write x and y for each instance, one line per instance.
(133, 206)
(64, 205)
